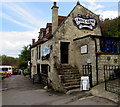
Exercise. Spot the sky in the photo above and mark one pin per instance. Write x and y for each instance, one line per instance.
(21, 20)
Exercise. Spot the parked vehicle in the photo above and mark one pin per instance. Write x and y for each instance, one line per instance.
(16, 71)
(26, 72)
(5, 71)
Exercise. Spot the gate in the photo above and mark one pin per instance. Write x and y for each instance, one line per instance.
(87, 71)
(112, 78)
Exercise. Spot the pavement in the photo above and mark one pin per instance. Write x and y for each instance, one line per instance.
(19, 90)
(99, 91)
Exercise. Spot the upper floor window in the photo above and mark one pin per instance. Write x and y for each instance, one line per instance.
(47, 30)
(110, 46)
(41, 35)
(39, 51)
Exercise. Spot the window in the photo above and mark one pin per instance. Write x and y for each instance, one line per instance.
(45, 52)
(4, 69)
(41, 35)
(39, 52)
(10, 68)
(47, 30)
(110, 46)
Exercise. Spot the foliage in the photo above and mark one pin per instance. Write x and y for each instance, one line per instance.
(24, 57)
(6, 60)
(26, 72)
(110, 27)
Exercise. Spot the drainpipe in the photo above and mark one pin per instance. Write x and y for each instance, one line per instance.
(30, 61)
(96, 59)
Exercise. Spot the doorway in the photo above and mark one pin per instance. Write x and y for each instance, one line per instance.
(38, 68)
(64, 49)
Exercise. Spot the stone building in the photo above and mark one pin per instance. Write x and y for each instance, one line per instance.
(72, 46)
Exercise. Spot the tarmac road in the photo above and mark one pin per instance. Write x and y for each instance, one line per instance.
(19, 90)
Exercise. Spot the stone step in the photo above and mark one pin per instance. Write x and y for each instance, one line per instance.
(71, 83)
(72, 87)
(68, 73)
(64, 68)
(70, 80)
(67, 68)
(70, 70)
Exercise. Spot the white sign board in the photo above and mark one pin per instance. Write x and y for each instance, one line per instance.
(85, 83)
(84, 49)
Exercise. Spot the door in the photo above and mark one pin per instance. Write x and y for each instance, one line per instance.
(64, 52)
(38, 68)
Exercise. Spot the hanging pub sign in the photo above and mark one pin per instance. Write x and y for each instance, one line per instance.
(85, 22)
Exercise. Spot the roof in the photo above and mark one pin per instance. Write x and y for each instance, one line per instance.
(61, 20)
(78, 3)
(49, 35)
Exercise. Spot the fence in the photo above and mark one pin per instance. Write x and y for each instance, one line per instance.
(112, 78)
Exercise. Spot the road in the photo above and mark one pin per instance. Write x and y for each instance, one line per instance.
(19, 90)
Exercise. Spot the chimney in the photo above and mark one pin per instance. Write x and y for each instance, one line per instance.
(54, 17)
(33, 41)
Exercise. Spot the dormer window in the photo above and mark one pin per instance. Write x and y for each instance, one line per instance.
(47, 30)
(41, 35)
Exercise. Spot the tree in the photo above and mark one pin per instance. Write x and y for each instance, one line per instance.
(110, 27)
(7, 60)
(24, 57)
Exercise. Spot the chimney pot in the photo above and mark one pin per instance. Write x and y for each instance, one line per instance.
(33, 41)
(55, 3)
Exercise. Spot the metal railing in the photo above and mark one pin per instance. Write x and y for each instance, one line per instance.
(87, 71)
(112, 78)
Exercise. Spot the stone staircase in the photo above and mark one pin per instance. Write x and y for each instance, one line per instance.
(70, 77)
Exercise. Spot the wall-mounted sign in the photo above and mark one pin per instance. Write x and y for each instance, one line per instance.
(85, 22)
(84, 49)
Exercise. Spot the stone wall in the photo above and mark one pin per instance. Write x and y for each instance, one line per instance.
(33, 61)
(104, 59)
(86, 58)
(66, 32)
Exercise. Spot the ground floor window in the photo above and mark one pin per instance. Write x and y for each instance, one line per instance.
(45, 68)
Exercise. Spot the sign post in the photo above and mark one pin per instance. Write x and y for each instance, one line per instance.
(85, 85)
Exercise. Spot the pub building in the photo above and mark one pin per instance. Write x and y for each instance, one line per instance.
(70, 47)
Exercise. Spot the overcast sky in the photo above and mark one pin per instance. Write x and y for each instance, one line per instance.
(21, 21)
